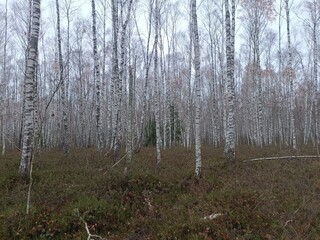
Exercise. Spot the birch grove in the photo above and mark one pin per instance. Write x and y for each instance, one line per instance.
(158, 73)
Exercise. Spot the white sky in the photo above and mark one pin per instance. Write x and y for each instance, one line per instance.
(84, 6)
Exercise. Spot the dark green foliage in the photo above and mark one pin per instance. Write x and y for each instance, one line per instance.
(150, 132)
(261, 200)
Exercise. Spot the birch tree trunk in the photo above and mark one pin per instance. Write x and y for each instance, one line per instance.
(196, 46)
(69, 11)
(191, 78)
(230, 131)
(260, 113)
(290, 76)
(115, 76)
(97, 79)
(280, 78)
(28, 127)
(4, 81)
(26, 62)
(156, 82)
(65, 140)
(130, 116)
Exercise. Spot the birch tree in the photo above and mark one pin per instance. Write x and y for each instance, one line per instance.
(290, 80)
(196, 48)
(156, 82)
(230, 131)
(28, 126)
(97, 78)
(280, 75)
(130, 114)
(4, 80)
(65, 140)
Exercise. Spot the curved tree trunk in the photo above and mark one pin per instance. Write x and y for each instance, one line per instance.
(28, 126)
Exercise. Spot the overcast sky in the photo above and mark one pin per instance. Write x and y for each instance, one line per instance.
(84, 6)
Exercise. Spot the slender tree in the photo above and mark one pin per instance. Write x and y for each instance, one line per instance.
(65, 140)
(230, 131)
(115, 78)
(290, 80)
(130, 115)
(196, 48)
(97, 78)
(4, 80)
(28, 126)
(156, 82)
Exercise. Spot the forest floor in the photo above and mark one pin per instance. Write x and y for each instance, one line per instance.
(269, 199)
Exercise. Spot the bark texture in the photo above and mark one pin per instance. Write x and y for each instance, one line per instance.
(28, 126)
(97, 78)
(196, 46)
(230, 131)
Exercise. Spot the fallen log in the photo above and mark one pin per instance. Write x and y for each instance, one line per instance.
(278, 158)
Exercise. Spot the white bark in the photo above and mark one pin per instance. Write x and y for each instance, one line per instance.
(196, 46)
(315, 19)
(28, 127)
(156, 82)
(191, 79)
(115, 77)
(280, 79)
(4, 81)
(97, 78)
(290, 78)
(130, 116)
(230, 132)
(65, 140)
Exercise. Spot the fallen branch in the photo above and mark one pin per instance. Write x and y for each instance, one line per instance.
(294, 213)
(278, 158)
(90, 236)
(212, 216)
(290, 220)
(119, 161)
(114, 164)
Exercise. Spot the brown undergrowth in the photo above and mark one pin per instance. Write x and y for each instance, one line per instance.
(275, 199)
